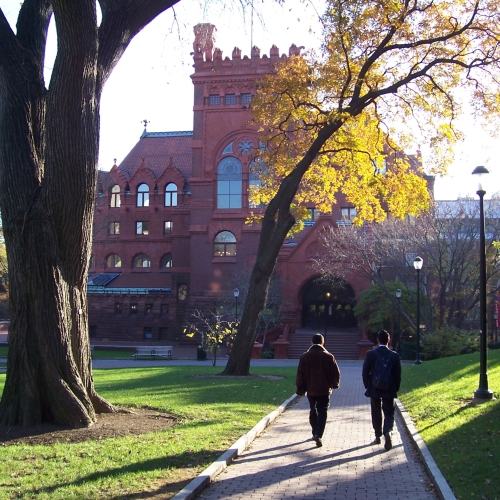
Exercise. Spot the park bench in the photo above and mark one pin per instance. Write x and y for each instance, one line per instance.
(153, 352)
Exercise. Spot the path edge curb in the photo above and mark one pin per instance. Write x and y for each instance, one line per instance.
(443, 488)
(199, 483)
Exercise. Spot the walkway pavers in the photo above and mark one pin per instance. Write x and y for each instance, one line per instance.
(283, 463)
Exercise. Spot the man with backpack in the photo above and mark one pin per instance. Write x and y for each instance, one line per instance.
(382, 378)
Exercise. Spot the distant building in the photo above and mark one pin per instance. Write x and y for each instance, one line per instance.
(170, 219)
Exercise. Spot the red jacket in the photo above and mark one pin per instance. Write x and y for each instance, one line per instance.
(318, 372)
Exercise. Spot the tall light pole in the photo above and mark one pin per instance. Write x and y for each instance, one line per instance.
(417, 264)
(327, 310)
(398, 297)
(236, 294)
(482, 392)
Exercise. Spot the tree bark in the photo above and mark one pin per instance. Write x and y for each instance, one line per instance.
(276, 224)
(48, 159)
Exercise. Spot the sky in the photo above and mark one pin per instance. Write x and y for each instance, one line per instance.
(152, 80)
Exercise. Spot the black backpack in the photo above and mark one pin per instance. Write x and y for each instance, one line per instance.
(381, 374)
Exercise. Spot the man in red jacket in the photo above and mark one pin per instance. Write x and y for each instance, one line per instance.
(317, 374)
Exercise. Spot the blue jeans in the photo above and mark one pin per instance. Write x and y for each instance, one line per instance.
(317, 416)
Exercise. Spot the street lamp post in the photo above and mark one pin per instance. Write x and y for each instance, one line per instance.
(495, 319)
(398, 297)
(236, 294)
(483, 392)
(417, 264)
(327, 311)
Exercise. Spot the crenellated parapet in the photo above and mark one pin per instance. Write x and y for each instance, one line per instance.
(208, 58)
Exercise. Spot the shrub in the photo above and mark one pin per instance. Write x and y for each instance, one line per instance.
(449, 341)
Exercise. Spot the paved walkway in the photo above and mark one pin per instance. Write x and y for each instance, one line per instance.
(283, 463)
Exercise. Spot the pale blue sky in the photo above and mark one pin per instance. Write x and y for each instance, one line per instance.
(152, 79)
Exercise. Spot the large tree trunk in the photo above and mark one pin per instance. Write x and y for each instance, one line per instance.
(276, 224)
(48, 158)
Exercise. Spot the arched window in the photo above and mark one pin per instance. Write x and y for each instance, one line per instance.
(141, 260)
(115, 201)
(166, 260)
(143, 195)
(171, 195)
(225, 244)
(256, 170)
(113, 260)
(229, 183)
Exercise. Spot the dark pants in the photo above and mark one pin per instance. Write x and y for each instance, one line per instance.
(378, 406)
(317, 416)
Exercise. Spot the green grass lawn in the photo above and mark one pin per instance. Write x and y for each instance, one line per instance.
(212, 414)
(98, 353)
(464, 438)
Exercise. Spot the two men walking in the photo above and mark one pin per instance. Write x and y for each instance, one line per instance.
(318, 374)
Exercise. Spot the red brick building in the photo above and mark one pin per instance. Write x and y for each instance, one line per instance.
(170, 219)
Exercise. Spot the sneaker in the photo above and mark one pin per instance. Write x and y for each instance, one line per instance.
(318, 441)
(377, 440)
(388, 441)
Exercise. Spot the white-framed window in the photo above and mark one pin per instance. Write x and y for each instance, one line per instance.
(141, 260)
(225, 244)
(230, 99)
(143, 195)
(168, 227)
(142, 227)
(114, 228)
(246, 98)
(229, 183)
(113, 260)
(114, 200)
(348, 213)
(171, 195)
(166, 260)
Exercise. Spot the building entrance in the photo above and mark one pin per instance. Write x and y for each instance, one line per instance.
(328, 307)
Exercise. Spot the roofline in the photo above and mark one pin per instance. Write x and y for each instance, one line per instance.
(187, 133)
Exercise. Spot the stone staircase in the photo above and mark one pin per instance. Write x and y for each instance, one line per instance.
(342, 344)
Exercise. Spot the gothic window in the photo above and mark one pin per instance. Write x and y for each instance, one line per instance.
(245, 146)
(115, 201)
(166, 260)
(141, 260)
(113, 260)
(228, 149)
(143, 195)
(225, 244)
(171, 195)
(229, 183)
(214, 100)
(246, 98)
(256, 169)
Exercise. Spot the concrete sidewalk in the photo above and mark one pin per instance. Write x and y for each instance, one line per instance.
(283, 463)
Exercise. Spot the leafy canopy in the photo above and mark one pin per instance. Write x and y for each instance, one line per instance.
(387, 70)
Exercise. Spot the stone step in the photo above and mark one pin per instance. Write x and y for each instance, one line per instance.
(341, 345)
